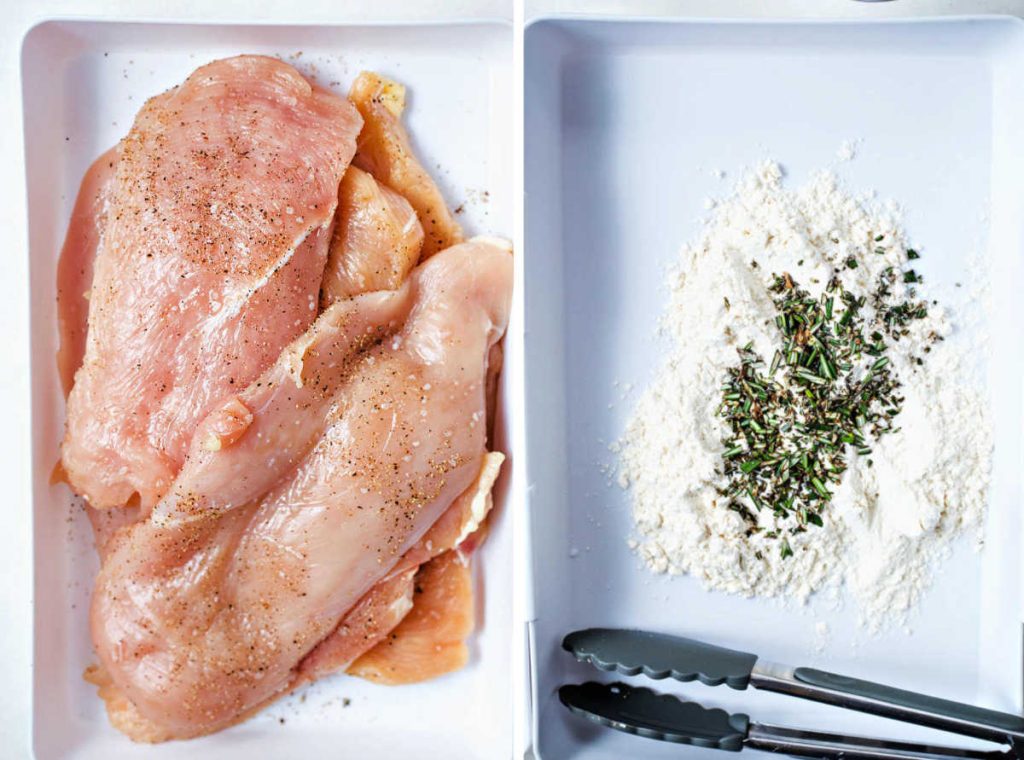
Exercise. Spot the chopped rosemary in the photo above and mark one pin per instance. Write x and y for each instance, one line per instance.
(828, 389)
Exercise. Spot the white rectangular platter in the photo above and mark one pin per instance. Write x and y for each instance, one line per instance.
(82, 84)
(625, 124)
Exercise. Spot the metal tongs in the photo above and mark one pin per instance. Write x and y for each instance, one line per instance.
(661, 716)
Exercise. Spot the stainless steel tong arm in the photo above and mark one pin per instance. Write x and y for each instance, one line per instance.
(887, 702)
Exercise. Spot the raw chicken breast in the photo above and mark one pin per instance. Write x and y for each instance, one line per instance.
(209, 263)
(367, 624)
(460, 526)
(460, 529)
(377, 239)
(372, 249)
(286, 514)
(74, 268)
(386, 152)
(430, 640)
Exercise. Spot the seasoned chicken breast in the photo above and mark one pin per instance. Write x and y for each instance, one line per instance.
(209, 262)
(74, 268)
(295, 497)
(377, 239)
(298, 496)
(385, 151)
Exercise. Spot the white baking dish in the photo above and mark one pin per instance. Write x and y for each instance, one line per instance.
(83, 82)
(626, 123)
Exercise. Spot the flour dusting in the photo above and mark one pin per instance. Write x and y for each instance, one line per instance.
(890, 520)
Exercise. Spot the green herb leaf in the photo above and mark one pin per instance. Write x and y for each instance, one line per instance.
(827, 388)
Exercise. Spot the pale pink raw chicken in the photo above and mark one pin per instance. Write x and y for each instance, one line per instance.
(385, 151)
(389, 634)
(209, 262)
(377, 239)
(74, 268)
(285, 515)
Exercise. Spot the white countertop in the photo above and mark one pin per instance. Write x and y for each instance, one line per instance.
(20, 15)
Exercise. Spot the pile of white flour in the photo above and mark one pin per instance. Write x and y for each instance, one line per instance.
(888, 524)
